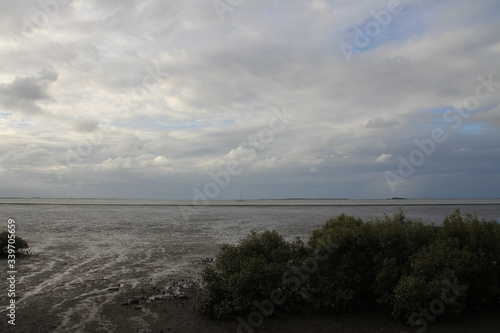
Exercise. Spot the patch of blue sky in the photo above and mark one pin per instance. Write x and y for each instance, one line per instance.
(23, 124)
(188, 124)
(229, 121)
(408, 24)
(439, 112)
(474, 128)
(448, 116)
(489, 13)
(431, 117)
(163, 123)
(382, 27)
(5, 114)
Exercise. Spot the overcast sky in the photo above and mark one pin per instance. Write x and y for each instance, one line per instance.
(273, 99)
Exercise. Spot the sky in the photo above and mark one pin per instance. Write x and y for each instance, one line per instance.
(209, 100)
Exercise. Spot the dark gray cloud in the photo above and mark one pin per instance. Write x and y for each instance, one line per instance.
(23, 93)
(84, 125)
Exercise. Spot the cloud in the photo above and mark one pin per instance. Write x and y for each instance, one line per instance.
(84, 125)
(166, 91)
(126, 143)
(295, 159)
(383, 158)
(381, 123)
(491, 117)
(26, 158)
(111, 164)
(241, 154)
(23, 92)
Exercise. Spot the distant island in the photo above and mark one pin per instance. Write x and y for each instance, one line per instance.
(307, 199)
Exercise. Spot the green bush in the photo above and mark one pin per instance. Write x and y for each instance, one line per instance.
(479, 240)
(248, 272)
(19, 243)
(433, 268)
(403, 266)
(394, 241)
(343, 279)
(368, 261)
(465, 254)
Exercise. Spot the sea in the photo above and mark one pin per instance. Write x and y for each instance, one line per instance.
(83, 248)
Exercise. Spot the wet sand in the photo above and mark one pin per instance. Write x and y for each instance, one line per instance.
(86, 293)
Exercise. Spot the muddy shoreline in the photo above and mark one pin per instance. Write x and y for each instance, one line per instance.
(90, 260)
(108, 303)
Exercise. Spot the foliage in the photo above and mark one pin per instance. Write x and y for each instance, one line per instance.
(368, 261)
(343, 279)
(394, 241)
(250, 271)
(395, 263)
(19, 243)
(466, 252)
(432, 271)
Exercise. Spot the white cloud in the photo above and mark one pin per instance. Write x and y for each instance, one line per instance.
(111, 164)
(26, 158)
(381, 123)
(383, 158)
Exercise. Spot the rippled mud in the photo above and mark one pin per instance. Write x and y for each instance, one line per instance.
(85, 293)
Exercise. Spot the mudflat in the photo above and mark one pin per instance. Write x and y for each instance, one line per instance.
(110, 304)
